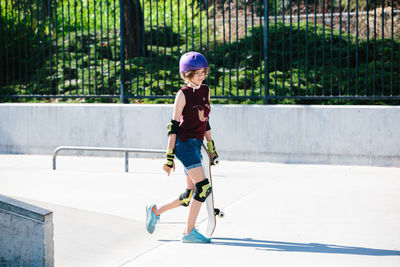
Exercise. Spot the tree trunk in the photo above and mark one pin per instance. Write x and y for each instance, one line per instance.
(134, 45)
(324, 6)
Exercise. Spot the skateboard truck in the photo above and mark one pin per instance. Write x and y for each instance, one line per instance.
(219, 213)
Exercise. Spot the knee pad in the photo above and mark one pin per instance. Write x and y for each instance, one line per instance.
(202, 190)
(186, 197)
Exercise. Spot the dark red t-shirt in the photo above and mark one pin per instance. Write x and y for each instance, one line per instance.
(191, 125)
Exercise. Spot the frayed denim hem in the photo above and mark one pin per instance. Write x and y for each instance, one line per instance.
(193, 166)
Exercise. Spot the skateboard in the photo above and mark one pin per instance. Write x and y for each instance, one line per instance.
(211, 210)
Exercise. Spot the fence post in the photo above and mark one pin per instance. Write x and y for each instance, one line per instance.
(265, 33)
(122, 50)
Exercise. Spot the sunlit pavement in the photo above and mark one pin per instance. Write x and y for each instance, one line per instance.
(275, 214)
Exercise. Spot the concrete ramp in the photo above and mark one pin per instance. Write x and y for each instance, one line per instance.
(87, 238)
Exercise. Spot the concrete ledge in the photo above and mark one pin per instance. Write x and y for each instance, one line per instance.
(26, 234)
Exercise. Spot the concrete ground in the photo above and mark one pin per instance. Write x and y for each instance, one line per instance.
(275, 214)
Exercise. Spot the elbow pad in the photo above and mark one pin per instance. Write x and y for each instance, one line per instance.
(173, 127)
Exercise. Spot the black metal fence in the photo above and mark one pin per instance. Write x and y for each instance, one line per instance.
(276, 51)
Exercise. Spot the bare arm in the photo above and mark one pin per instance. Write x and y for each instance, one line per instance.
(179, 104)
(208, 133)
(210, 144)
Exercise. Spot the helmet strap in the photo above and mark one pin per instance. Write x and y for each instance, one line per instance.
(193, 85)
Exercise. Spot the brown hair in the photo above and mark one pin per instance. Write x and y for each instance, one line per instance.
(189, 75)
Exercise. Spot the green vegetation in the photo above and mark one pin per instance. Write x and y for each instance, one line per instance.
(79, 55)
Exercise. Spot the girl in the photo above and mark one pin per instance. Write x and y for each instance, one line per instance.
(186, 132)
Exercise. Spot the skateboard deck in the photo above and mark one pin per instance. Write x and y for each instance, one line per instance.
(212, 212)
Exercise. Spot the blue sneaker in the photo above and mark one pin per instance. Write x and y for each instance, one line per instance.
(195, 237)
(151, 219)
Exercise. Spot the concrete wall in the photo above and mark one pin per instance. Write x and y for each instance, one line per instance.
(26, 234)
(359, 135)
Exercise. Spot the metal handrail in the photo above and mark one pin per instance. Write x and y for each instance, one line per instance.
(111, 149)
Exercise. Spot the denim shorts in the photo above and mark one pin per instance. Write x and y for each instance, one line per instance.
(189, 153)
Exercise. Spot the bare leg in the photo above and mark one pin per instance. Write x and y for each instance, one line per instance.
(168, 206)
(189, 182)
(194, 209)
(197, 175)
(175, 203)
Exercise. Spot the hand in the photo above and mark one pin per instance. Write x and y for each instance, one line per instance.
(214, 159)
(213, 153)
(168, 169)
(169, 163)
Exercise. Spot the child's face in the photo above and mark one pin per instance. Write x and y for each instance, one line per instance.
(199, 76)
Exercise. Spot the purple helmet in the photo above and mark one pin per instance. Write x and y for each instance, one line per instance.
(192, 61)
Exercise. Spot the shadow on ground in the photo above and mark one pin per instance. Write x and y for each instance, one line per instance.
(298, 247)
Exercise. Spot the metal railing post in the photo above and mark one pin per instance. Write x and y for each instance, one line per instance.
(54, 159)
(126, 161)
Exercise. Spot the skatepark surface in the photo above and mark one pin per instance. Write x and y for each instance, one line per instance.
(275, 214)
